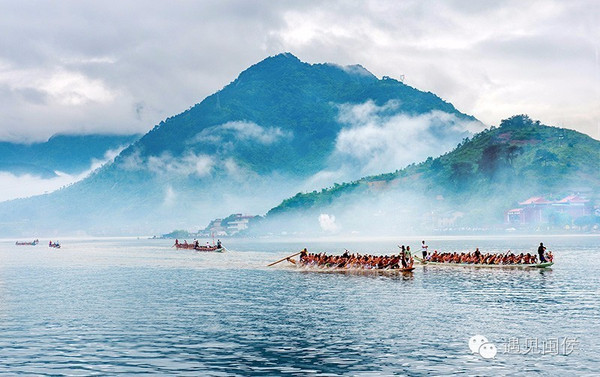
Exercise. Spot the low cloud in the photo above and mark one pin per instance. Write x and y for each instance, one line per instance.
(327, 223)
(243, 131)
(187, 165)
(170, 197)
(379, 140)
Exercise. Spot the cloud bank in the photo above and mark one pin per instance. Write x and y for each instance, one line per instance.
(82, 67)
(377, 139)
(377, 143)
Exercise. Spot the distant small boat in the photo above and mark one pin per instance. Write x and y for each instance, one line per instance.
(22, 243)
(196, 246)
(483, 265)
(215, 248)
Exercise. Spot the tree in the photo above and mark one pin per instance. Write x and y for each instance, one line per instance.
(490, 160)
(460, 173)
(545, 157)
(511, 152)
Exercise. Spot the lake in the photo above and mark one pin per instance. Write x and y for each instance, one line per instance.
(138, 306)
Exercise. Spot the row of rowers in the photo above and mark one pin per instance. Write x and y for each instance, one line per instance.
(355, 260)
(477, 257)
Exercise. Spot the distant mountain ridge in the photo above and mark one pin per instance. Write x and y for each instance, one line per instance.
(70, 154)
(281, 125)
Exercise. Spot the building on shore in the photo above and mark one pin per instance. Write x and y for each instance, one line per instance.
(228, 226)
(538, 210)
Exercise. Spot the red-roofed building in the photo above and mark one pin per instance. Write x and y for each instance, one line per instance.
(536, 210)
(574, 206)
(534, 200)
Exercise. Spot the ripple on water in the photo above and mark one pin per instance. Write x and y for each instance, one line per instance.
(141, 307)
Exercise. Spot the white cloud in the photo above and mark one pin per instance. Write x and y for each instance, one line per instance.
(82, 68)
(244, 131)
(325, 178)
(132, 161)
(377, 142)
(170, 197)
(327, 223)
(189, 164)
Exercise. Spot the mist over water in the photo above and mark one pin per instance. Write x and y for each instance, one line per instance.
(139, 306)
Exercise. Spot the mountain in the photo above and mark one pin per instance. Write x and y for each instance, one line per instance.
(471, 186)
(281, 126)
(71, 154)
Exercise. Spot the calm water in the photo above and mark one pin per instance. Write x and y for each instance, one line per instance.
(139, 306)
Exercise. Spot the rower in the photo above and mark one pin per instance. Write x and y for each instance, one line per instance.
(303, 255)
(424, 250)
(541, 250)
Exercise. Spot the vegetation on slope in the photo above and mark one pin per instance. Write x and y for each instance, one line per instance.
(483, 176)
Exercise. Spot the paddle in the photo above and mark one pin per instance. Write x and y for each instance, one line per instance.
(282, 259)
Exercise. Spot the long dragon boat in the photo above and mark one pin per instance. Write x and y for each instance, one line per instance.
(347, 263)
(483, 265)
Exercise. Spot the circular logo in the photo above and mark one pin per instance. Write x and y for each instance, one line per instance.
(488, 350)
(475, 342)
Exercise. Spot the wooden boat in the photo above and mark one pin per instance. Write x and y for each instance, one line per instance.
(299, 265)
(179, 245)
(195, 246)
(32, 243)
(353, 270)
(215, 248)
(483, 265)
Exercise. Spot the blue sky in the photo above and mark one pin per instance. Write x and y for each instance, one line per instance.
(122, 67)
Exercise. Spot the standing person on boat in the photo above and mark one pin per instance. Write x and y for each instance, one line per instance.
(218, 244)
(403, 257)
(424, 250)
(541, 251)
